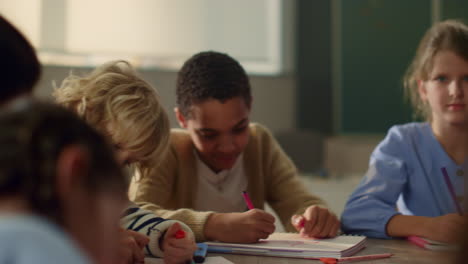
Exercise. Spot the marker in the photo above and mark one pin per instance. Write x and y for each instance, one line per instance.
(200, 253)
(247, 200)
(180, 234)
(451, 190)
(417, 241)
(432, 245)
(302, 222)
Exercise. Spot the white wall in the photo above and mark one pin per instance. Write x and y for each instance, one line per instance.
(28, 20)
(258, 33)
(157, 33)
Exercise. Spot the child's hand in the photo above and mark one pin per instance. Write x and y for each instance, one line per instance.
(316, 222)
(177, 249)
(131, 247)
(247, 227)
(445, 228)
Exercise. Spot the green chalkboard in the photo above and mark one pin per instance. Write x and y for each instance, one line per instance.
(378, 41)
(457, 9)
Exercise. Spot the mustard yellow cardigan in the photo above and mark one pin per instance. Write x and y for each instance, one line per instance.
(169, 191)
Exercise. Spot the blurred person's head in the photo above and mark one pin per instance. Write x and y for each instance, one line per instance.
(19, 66)
(118, 103)
(52, 164)
(213, 103)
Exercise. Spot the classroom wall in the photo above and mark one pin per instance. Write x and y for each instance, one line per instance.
(273, 105)
(314, 65)
(376, 45)
(351, 56)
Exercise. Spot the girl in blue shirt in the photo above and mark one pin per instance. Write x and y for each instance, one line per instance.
(61, 190)
(404, 192)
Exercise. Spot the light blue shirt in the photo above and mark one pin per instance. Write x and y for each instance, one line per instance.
(26, 239)
(404, 173)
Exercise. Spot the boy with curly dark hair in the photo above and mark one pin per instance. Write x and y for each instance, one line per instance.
(219, 155)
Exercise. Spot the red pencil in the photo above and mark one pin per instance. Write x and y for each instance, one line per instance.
(355, 258)
(247, 200)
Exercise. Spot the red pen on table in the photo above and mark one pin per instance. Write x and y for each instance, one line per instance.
(247, 200)
(355, 258)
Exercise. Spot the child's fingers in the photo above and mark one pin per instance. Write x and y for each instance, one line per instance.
(140, 239)
(269, 229)
(312, 218)
(269, 218)
(298, 222)
(329, 224)
(326, 223)
(334, 229)
(322, 227)
(264, 235)
(177, 252)
(261, 215)
(186, 243)
(177, 259)
(125, 255)
(172, 230)
(322, 219)
(131, 248)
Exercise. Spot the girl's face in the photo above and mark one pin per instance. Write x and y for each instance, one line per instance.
(445, 90)
(219, 131)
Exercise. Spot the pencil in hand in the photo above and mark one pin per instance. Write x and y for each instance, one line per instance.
(247, 200)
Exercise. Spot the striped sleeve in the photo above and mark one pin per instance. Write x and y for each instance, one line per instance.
(147, 223)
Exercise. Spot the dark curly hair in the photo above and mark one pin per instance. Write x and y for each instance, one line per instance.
(211, 75)
(19, 65)
(32, 137)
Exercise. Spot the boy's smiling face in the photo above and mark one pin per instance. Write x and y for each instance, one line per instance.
(219, 130)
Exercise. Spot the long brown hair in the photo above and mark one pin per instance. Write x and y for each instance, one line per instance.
(449, 35)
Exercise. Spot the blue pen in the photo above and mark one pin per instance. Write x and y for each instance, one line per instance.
(200, 253)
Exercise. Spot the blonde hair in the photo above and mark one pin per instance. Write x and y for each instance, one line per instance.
(449, 35)
(114, 95)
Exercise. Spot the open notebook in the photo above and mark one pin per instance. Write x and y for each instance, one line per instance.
(208, 260)
(293, 246)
